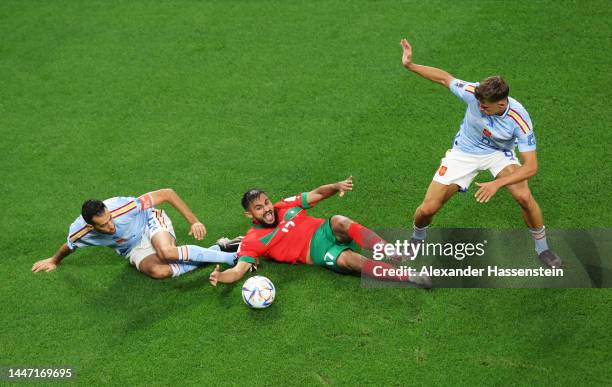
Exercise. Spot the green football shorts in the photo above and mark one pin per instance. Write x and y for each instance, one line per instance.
(325, 249)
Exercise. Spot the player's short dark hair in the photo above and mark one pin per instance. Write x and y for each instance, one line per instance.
(251, 195)
(492, 89)
(91, 208)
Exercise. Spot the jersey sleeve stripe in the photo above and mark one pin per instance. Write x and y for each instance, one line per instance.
(79, 230)
(519, 120)
(125, 205)
(247, 259)
(305, 200)
(81, 233)
(123, 209)
(470, 89)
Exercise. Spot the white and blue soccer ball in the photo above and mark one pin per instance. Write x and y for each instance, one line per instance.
(258, 292)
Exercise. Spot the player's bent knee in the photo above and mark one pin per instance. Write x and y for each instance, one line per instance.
(167, 252)
(159, 272)
(340, 223)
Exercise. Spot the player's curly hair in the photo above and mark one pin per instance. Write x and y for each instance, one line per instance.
(91, 208)
(251, 195)
(492, 89)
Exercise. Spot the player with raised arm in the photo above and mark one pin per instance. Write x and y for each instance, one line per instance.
(284, 232)
(140, 232)
(493, 125)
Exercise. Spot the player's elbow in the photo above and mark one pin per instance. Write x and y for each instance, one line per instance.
(163, 195)
(168, 191)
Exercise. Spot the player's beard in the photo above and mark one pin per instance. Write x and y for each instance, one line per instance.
(270, 225)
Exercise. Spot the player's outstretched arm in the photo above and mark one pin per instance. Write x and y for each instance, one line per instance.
(52, 262)
(433, 74)
(167, 195)
(325, 191)
(524, 172)
(230, 275)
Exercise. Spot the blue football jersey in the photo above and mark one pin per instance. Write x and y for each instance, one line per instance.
(482, 134)
(129, 215)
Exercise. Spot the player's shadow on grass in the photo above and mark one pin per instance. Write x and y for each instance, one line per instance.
(284, 276)
(139, 300)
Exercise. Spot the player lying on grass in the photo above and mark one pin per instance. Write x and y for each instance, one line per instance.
(284, 232)
(141, 233)
(492, 126)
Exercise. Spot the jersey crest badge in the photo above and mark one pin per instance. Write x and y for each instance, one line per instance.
(531, 139)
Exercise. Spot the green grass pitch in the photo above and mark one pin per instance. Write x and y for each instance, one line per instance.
(106, 98)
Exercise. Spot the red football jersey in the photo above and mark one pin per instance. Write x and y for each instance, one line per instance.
(289, 241)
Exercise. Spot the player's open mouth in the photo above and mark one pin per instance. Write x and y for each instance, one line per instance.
(269, 217)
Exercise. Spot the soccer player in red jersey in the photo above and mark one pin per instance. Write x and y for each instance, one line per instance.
(284, 232)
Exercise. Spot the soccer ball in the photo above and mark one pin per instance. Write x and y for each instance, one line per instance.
(258, 292)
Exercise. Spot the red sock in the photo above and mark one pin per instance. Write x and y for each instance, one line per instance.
(363, 236)
(375, 269)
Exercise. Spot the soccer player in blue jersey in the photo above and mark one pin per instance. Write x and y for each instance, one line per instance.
(493, 125)
(141, 233)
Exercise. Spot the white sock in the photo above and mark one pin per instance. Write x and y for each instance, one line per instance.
(539, 237)
(419, 233)
(180, 268)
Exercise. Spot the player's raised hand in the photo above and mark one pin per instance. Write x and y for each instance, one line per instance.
(407, 53)
(486, 191)
(47, 265)
(198, 231)
(214, 276)
(345, 185)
